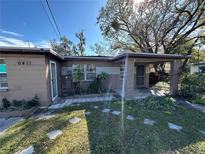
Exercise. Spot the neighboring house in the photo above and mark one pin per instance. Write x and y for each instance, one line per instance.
(197, 67)
(25, 72)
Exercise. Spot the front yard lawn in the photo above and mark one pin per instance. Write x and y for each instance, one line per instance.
(100, 132)
(200, 101)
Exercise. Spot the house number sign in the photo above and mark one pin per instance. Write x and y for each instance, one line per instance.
(24, 62)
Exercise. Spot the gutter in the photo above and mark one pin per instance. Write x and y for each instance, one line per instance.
(150, 56)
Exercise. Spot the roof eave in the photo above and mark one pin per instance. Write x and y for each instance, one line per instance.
(134, 55)
(22, 50)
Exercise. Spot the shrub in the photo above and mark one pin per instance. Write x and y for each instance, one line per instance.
(156, 103)
(33, 102)
(100, 78)
(93, 87)
(192, 86)
(103, 76)
(77, 77)
(21, 103)
(6, 103)
(96, 86)
(17, 103)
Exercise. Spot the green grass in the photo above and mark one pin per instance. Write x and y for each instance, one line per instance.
(105, 133)
(200, 101)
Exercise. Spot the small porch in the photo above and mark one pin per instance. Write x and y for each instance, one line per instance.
(137, 82)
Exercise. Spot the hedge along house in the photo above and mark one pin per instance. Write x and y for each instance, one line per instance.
(25, 72)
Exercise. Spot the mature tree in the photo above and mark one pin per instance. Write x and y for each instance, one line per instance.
(193, 47)
(153, 25)
(97, 49)
(66, 47)
(81, 44)
(103, 49)
(197, 56)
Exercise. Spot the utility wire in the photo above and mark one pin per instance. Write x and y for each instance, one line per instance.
(53, 18)
(53, 27)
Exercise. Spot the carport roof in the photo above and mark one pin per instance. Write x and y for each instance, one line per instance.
(150, 56)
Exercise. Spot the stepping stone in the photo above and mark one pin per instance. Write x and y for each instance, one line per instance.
(96, 107)
(28, 150)
(74, 120)
(116, 112)
(106, 110)
(174, 126)
(130, 117)
(87, 113)
(172, 99)
(45, 117)
(43, 107)
(149, 122)
(202, 132)
(54, 134)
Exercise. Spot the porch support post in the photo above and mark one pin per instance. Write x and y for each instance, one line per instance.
(129, 78)
(147, 71)
(175, 70)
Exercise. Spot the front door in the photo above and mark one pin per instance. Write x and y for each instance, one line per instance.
(53, 78)
(140, 75)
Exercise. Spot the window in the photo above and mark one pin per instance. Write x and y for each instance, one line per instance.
(87, 71)
(90, 72)
(122, 69)
(78, 72)
(3, 75)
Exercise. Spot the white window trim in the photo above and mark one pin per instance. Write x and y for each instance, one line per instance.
(85, 72)
(53, 98)
(4, 88)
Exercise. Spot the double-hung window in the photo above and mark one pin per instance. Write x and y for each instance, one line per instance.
(87, 72)
(90, 72)
(78, 72)
(3, 75)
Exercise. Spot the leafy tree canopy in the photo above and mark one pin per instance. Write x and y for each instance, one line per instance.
(103, 49)
(66, 47)
(153, 25)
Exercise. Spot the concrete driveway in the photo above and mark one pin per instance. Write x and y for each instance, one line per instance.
(6, 123)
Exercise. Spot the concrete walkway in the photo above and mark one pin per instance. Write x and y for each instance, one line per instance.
(195, 106)
(141, 93)
(191, 106)
(70, 101)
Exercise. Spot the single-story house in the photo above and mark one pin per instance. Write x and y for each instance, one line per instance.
(197, 67)
(25, 72)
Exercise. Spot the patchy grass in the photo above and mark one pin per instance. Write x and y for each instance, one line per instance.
(200, 101)
(106, 133)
